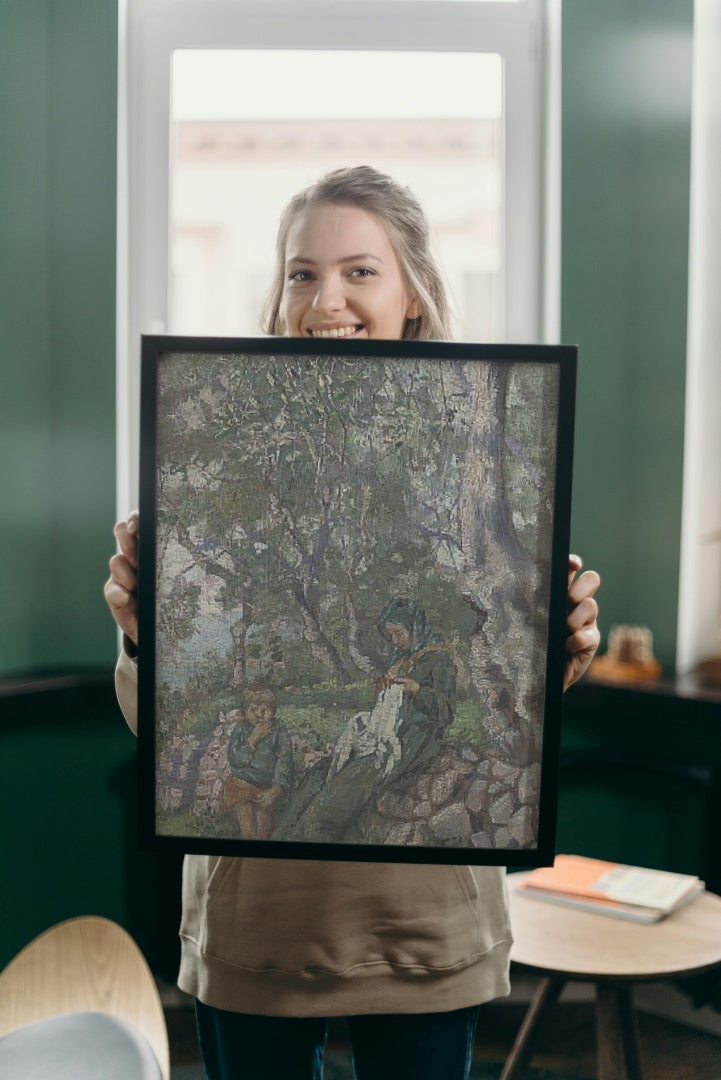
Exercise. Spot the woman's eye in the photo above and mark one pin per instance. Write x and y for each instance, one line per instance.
(300, 276)
(362, 272)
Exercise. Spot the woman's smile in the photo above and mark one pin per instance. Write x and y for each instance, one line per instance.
(335, 331)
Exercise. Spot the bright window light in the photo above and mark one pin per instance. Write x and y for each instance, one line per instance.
(258, 84)
(250, 128)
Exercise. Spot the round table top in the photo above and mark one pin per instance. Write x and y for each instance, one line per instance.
(559, 940)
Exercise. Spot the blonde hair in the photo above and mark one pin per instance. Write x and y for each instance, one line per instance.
(403, 217)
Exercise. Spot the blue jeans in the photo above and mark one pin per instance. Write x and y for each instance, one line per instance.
(414, 1046)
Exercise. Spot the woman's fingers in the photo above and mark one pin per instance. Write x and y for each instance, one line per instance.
(586, 584)
(126, 534)
(583, 636)
(575, 562)
(123, 572)
(123, 607)
(121, 587)
(583, 612)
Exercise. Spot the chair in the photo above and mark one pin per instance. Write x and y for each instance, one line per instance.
(80, 1002)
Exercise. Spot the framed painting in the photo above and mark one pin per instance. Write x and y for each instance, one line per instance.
(352, 597)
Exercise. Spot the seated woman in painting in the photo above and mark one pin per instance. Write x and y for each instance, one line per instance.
(399, 738)
(261, 766)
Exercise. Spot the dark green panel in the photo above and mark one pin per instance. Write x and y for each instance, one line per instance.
(68, 787)
(626, 145)
(58, 75)
(632, 818)
(26, 491)
(640, 780)
(68, 784)
(82, 272)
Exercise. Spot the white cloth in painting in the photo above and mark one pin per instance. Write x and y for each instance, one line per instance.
(372, 733)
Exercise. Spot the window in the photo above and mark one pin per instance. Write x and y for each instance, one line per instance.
(235, 160)
(227, 107)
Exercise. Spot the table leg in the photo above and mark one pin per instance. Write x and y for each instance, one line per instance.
(545, 997)
(617, 1033)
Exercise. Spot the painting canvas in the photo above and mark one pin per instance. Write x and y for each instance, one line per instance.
(353, 567)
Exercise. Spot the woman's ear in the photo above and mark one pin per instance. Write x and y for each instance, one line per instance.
(415, 309)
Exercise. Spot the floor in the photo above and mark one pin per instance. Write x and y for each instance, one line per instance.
(669, 1050)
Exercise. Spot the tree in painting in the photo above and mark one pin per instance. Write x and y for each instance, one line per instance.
(296, 496)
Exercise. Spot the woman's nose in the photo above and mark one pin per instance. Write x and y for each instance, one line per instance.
(329, 296)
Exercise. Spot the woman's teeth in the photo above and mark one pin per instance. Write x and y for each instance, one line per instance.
(337, 331)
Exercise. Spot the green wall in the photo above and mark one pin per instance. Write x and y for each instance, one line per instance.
(625, 200)
(626, 136)
(58, 72)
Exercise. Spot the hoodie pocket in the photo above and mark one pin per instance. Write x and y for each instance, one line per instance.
(294, 916)
(468, 884)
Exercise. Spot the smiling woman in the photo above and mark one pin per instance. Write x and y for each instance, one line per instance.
(353, 259)
(272, 947)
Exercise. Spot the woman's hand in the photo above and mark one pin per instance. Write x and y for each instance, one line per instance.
(583, 635)
(122, 585)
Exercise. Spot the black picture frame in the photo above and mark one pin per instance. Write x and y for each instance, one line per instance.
(353, 568)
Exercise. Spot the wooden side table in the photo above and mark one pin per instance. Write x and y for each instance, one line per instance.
(563, 944)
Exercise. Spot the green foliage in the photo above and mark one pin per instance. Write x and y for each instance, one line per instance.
(178, 611)
(315, 726)
(186, 823)
(299, 667)
(318, 488)
(322, 713)
(195, 709)
(467, 726)
(310, 482)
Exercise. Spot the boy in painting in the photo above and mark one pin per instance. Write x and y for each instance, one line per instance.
(261, 766)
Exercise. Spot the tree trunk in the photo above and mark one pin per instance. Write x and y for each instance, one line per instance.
(321, 646)
(499, 578)
(361, 661)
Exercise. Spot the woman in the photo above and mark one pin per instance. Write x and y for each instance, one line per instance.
(389, 746)
(271, 948)
(422, 665)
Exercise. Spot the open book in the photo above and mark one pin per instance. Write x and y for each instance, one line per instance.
(608, 888)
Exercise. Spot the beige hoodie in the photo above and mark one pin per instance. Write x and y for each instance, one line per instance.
(283, 937)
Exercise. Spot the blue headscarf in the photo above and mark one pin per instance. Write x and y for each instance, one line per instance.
(404, 611)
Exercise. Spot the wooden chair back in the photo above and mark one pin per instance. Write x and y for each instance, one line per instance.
(87, 964)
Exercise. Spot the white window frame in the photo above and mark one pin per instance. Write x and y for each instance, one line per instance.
(526, 34)
(699, 597)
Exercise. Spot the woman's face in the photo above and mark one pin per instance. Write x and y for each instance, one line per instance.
(399, 635)
(342, 277)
